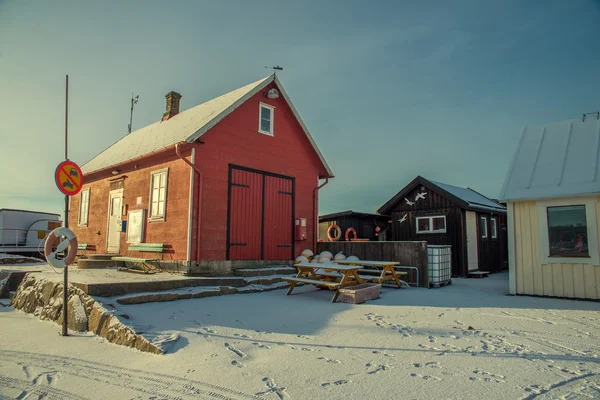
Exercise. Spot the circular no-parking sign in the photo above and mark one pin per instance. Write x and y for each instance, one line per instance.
(68, 178)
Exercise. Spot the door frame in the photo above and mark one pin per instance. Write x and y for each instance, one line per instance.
(110, 193)
(263, 174)
(474, 227)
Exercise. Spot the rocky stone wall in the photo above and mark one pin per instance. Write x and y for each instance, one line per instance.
(44, 299)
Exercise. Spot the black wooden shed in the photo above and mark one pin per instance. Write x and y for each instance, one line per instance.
(441, 214)
(365, 225)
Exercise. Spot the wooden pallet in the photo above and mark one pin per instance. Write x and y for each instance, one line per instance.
(478, 274)
(440, 284)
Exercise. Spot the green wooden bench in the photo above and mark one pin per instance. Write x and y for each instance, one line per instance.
(144, 264)
(83, 247)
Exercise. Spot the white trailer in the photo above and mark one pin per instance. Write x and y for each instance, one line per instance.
(23, 231)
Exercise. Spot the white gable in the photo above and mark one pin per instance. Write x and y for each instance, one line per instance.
(555, 160)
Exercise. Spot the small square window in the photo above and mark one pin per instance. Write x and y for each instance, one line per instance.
(483, 227)
(434, 224)
(84, 207)
(494, 228)
(265, 119)
(158, 194)
(422, 224)
(567, 231)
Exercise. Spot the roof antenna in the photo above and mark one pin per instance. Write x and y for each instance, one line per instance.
(592, 113)
(275, 69)
(134, 100)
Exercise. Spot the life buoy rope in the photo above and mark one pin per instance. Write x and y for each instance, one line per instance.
(338, 233)
(348, 233)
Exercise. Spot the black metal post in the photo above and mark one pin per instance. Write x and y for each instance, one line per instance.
(65, 331)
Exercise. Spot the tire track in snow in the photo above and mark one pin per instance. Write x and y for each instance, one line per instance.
(560, 384)
(151, 383)
(28, 388)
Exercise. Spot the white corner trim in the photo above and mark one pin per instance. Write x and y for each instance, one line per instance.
(191, 208)
(512, 281)
(590, 217)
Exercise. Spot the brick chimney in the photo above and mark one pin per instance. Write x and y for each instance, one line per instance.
(172, 105)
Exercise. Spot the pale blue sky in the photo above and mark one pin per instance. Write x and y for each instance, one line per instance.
(389, 90)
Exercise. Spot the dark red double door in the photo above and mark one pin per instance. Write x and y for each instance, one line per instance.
(260, 215)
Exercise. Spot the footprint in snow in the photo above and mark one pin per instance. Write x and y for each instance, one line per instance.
(426, 377)
(329, 360)
(340, 382)
(239, 353)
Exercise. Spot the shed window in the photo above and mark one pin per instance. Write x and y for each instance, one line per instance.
(158, 194)
(266, 116)
(567, 231)
(494, 228)
(433, 224)
(84, 207)
(483, 227)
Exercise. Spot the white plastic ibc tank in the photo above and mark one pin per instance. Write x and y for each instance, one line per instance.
(439, 259)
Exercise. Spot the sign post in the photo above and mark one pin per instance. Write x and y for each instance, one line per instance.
(69, 180)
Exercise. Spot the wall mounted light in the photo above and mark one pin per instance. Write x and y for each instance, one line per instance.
(115, 172)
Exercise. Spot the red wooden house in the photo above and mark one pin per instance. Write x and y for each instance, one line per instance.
(227, 180)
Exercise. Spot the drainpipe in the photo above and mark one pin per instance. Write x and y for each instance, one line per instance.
(316, 213)
(199, 171)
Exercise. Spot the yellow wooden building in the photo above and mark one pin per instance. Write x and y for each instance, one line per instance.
(552, 190)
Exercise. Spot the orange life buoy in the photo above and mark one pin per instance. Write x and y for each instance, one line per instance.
(348, 233)
(338, 233)
(69, 242)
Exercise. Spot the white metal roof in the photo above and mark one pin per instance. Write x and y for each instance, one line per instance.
(188, 126)
(474, 199)
(555, 160)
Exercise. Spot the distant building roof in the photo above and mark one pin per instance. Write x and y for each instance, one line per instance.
(350, 213)
(554, 160)
(471, 197)
(464, 198)
(188, 126)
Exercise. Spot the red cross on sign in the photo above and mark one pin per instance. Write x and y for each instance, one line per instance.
(68, 178)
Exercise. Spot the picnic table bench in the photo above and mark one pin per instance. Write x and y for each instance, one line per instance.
(388, 271)
(307, 274)
(142, 263)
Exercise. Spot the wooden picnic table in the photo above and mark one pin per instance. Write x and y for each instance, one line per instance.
(388, 272)
(307, 273)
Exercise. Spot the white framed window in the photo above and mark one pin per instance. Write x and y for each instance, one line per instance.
(494, 228)
(266, 118)
(84, 207)
(483, 227)
(432, 224)
(158, 194)
(568, 231)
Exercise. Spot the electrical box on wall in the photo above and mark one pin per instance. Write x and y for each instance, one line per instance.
(300, 229)
(123, 226)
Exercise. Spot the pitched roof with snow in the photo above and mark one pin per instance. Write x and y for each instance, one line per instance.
(188, 126)
(464, 198)
(554, 160)
(471, 197)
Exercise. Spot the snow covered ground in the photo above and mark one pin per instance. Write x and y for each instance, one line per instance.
(466, 341)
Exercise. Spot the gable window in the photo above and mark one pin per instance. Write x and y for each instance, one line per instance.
(266, 114)
(483, 227)
(84, 207)
(494, 228)
(433, 224)
(567, 231)
(158, 194)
